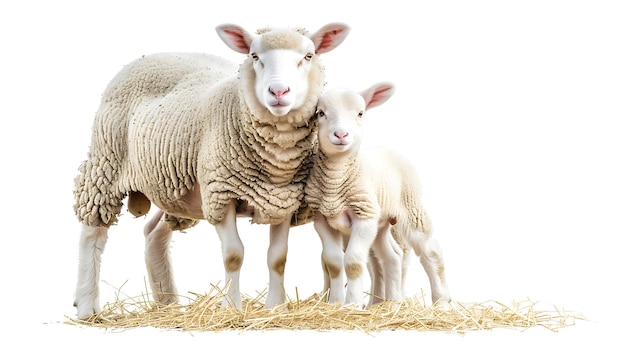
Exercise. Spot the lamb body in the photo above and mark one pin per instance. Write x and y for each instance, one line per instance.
(203, 139)
(367, 201)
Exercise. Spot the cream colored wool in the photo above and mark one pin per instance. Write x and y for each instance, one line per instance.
(334, 187)
(361, 183)
(176, 125)
(359, 198)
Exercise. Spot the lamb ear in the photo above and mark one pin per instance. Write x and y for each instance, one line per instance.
(377, 94)
(329, 37)
(235, 37)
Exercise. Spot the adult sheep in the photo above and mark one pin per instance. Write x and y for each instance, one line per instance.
(202, 140)
(367, 201)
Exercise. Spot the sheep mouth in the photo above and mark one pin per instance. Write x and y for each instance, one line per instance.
(341, 143)
(279, 102)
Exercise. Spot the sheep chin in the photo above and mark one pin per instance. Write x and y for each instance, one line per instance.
(279, 110)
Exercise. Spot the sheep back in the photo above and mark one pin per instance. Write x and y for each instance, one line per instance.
(173, 126)
(146, 134)
(398, 188)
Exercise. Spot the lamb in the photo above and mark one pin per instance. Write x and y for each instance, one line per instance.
(204, 139)
(372, 199)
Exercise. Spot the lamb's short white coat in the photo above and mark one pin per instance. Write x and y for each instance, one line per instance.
(203, 139)
(367, 201)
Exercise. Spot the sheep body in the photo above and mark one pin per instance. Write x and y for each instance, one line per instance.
(367, 201)
(203, 138)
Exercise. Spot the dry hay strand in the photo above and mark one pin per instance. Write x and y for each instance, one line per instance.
(204, 312)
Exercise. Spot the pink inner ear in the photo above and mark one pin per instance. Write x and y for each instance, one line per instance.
(325, 43)
(379, 96)
(328, 38)
(238, 40)
(375, 100)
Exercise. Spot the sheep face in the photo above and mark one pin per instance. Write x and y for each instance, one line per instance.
(282, 82)
(340, 116)
(340, 121)
(281, 61)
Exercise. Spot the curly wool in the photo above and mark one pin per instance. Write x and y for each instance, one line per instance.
(174, 126)
(261, 164)
(334, 187)
(367, 187)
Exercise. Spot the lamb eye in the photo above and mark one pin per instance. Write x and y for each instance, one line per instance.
(308, 57)
(360, 114)
(320, 113)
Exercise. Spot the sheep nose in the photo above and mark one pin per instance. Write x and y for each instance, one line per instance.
(279, 92)
(341, 134)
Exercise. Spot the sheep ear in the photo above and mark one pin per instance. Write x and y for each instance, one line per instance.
(235, 37)
(329, 37)
(377, 94)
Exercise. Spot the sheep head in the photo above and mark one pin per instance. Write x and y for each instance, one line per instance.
(340, 116)
(282, 67)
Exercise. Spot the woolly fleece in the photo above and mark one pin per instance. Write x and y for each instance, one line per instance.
(374, 183)
(177, 126)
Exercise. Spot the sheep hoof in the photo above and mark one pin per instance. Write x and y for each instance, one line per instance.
(138, 204)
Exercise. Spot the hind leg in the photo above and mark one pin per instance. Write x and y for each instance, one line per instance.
(377, 290)
(427, 248)
(389, 255)
(158, 234)
(91, 245)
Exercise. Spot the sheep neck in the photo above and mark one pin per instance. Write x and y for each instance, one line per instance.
(277, 148)
(337, 168)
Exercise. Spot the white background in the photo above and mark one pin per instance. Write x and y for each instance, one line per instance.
(512, 111)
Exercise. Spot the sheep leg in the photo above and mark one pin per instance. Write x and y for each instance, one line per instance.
(387, 250)
(158, 234)
(377, 291)
(355, 260)
(276, 260)
(427, 248)
(91, 245)
(232, 254)
(332, 259)
(326, 277)
(406, 262)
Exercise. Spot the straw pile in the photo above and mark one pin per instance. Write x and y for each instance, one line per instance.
(204, 312)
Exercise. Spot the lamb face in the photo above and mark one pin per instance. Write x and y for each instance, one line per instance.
(340, 122)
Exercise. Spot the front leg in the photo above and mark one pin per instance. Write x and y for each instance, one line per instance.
(276, 260)
(355, 262)
(232, 254)
(332, 259)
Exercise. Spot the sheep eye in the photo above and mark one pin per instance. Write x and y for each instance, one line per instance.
(360, 114)
(320, 113)
(254, 56)
(308, 57)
